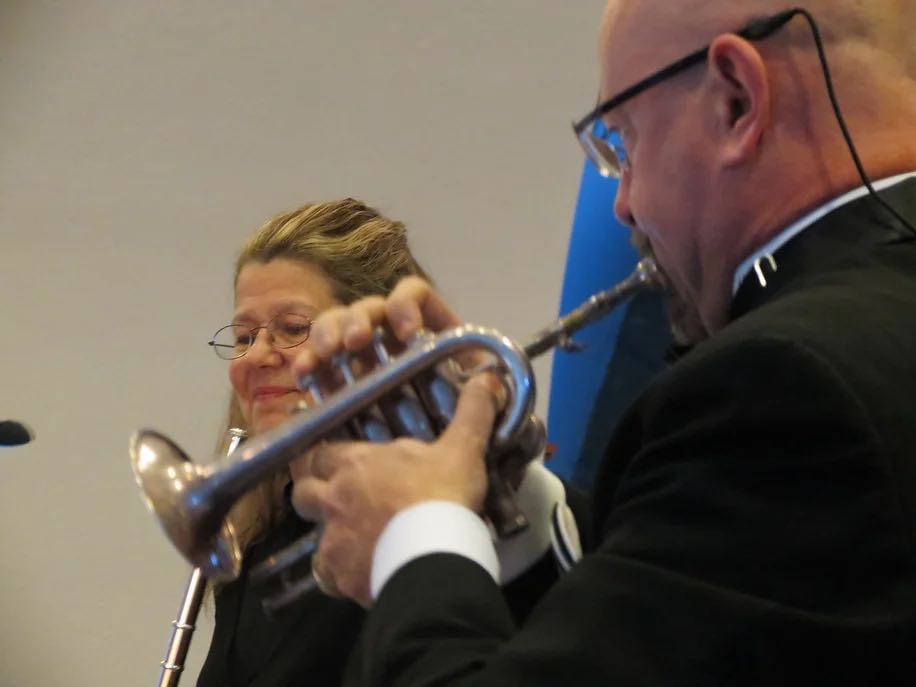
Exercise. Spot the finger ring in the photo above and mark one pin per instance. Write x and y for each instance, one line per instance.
(326, 587)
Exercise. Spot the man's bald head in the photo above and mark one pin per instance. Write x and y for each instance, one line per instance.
(744, 144)
(870, 48)
(876, 33)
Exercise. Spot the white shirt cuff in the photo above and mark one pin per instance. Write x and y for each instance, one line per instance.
(431, 527)
(539, 491)
(446, 527)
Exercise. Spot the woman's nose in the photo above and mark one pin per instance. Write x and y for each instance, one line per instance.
(261, 350)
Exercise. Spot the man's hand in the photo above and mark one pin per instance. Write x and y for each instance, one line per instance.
(355, 488)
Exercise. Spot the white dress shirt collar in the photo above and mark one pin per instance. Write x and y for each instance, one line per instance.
(766, 251)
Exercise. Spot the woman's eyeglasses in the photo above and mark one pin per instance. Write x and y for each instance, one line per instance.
(286, 330)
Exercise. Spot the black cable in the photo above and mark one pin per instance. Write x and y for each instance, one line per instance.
(831, 93)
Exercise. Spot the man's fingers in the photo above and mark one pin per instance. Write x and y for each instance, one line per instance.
(347, 328)
(323, 578)
(337, 329)
(411, 306)
(475, 414)
(299, 467)
(311, 474)
(414, 305)
(326, 459)
(360, 320)
(308, 498)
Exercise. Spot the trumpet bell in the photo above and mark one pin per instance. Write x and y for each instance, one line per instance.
(165, 475)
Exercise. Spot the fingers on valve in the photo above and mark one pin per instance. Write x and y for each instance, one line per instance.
(361, 320)
(475, 414)
(414, 305)
(309, 496)
(346, 327)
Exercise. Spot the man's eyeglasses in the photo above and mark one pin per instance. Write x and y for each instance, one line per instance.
(286, 330)
(604, 146)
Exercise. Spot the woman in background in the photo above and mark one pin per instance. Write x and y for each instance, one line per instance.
(295, 266)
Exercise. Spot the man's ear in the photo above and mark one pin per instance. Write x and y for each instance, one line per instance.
(742, 97)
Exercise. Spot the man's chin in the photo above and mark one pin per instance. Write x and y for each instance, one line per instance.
(684, 322)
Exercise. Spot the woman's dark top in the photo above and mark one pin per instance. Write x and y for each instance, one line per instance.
(305, 643)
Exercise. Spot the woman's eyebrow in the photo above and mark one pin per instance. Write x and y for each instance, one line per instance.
(294, 306)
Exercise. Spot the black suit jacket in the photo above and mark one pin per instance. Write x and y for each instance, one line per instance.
(755, 509)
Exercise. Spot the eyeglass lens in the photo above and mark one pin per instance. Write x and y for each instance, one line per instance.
(605, 149)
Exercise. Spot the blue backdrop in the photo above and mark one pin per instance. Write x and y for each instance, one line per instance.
(590, 389)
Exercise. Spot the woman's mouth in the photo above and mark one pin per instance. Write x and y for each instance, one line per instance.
(264, 394)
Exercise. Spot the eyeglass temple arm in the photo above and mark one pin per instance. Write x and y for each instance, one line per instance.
(756, 30)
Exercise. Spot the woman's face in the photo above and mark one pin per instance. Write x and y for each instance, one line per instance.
(262, 379)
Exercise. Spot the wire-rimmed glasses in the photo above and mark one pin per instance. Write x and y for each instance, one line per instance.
(285, 330)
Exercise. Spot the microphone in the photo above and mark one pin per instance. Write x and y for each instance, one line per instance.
(14, 433)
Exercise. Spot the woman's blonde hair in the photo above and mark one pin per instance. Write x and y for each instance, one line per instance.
(362, 253)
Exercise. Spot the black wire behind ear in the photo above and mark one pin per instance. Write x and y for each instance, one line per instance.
(770, 24)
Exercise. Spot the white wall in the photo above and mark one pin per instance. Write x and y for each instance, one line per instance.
(140, 142)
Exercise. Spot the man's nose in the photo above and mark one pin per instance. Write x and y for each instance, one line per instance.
(622, 208)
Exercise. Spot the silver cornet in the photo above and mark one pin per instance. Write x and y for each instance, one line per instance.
(410, 393)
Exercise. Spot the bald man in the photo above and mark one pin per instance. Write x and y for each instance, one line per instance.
(756, 508)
